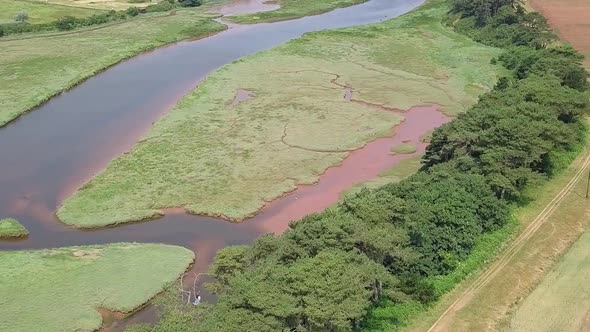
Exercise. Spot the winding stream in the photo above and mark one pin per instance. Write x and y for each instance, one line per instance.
(50, 152)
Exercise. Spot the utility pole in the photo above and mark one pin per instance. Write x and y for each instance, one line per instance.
(588, 184)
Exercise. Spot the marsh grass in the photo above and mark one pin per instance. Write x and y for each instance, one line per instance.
(62, 289)
(11, 228)
(228, 162)
(292, 9)
(403, 149)
(395, 174)
(33, 70)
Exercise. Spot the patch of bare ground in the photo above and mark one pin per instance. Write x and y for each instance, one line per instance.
(570, 19)
(550, 225)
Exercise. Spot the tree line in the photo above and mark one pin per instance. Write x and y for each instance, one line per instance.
(65, 23)
(362, 264)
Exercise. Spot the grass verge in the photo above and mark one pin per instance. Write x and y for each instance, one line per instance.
(292, 9)
(488, 306)
(561, 301)
(228, 161)
(34, 70)
(11, 228)
(62, 289)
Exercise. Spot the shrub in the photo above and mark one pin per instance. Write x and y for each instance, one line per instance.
(66, 23)
(21, 17)
(163, 6)
(132, 11)
(190, 3)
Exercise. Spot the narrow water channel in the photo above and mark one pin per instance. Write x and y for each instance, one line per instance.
(47, 154)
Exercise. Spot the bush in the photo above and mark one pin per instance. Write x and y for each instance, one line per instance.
(163, 6)
(66, 23)
(132, 11)
(21, 17)
(190, 3)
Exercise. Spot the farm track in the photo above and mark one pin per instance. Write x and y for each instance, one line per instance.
(509, 252)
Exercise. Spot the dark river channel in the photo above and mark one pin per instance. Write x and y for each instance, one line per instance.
(48, 153)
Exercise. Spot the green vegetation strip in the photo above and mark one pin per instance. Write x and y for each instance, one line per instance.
(292, 9)
(63, 289)
(216, 157)
(11, 228)
(33, 70)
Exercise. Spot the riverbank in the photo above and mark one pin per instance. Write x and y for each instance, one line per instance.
(217, 160)
(292, 9)
(36, 69)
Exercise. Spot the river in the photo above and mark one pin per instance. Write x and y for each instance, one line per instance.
(50, 152)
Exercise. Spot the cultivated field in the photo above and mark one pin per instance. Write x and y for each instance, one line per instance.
(291, 9)
(571, 19)
(40, 12)
(63, 289)
(562, 301)
(214, 156)
(34, 69)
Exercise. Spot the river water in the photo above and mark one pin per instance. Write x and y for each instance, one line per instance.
(50, 152)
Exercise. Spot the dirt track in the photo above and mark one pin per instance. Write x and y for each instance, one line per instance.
(571, 20)
(445, 320)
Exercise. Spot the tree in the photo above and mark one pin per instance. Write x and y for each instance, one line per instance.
(21, 17)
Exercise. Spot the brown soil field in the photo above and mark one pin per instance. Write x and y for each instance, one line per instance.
(570, 19)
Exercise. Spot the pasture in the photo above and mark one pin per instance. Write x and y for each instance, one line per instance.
(40, 12)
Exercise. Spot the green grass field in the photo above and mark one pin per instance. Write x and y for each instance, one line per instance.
(11, 228)
(228, 161)
(62, 289)
(35, 69)
(40, 12)
(292, 9)
(562, 301)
